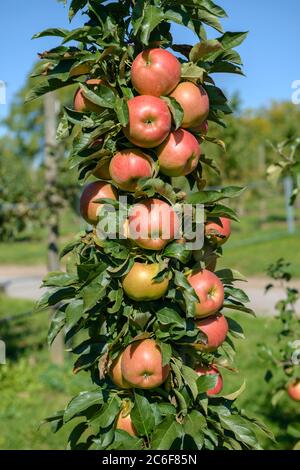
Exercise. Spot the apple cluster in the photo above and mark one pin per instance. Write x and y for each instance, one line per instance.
(155, 74)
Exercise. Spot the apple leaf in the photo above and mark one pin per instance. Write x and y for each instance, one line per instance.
(142, 415)
(193, 425)
(103, 96)
(166, 433)
(82, 402)
(176, 110)
(107, 414)
(122, 112)
(204, 49)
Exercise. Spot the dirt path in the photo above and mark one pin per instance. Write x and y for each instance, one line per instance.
(25, 282)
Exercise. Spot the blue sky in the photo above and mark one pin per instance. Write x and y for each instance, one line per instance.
(270, 53)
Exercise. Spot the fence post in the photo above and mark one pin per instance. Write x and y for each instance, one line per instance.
(288, 191)
(51, 109)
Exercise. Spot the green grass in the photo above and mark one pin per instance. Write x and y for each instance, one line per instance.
(31, 388)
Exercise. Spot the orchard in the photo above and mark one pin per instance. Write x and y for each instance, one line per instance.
(145, 309)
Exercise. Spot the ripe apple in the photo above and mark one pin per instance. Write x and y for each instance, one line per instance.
(155, 72)
(194, 102)
(179, 154)
(142, 364)
(152, 224)
(127, 166)
(211, 370)
(220, 226)
(209, 290)
(216, 329)
(82, 104)
(89, 210)
(294, 390)
(138, 284)
(124, 422)
(149, 121)
(115, 373)
(208, 256)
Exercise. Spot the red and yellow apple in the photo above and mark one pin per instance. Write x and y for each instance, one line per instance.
(179, 154)
(115, 373)
(83, 104)
(218, 230)
(124, 422)
(216, 329)
(142, 365)
(195, 103)
(294, 390)
(138, 283)
(89, 209)
(212, 370)
(127, 166)
(152, 224)
(155, 72)
(149, 121)
(209, 290)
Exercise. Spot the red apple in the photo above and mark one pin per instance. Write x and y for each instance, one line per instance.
(124, 422)
(152, 224)
(294, 390)
(115, 373)
(219, 230)
(149, 121)
(194, 102)
(216, 329)
(212, 370)
(98, 189)
(155, 72)
(179, 154)
(209, 290)
(142, 365)
(127, 166)
(83, 104)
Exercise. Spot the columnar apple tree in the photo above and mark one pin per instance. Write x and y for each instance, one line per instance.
(145, 313)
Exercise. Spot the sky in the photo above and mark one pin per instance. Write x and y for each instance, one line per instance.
(270, 53)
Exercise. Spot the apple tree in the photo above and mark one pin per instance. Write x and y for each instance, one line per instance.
(146, 313)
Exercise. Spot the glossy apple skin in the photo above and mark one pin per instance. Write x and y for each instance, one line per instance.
(179, 154)
(208, 256)
(139, 286)
(216, 329)
(222, 226)
(82, 104)
(149, 121)
(127, 166)
(294, 390)
(156, 217)
(115, 373)
(89, 210)
(211, 370)
(142, 365)
(155, 72)
(209, 290)
(125, 424)
(194, 102)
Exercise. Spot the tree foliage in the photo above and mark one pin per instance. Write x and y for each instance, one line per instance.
(92, 307)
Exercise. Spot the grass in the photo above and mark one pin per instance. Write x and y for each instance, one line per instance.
(32, 388)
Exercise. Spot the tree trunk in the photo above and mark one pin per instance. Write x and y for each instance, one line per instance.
(51, 108)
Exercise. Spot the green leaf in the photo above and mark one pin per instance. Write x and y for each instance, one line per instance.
(235, 328)
(193, 425)
(58, 279)
(225, 67)
(45, 86)
(236, 293)
(142, 415)
(203, 49)
(82, 402)
(233, 396)
(206, 382)
(166, 351)
(205, 197)
(56, 325)
(75, 6)
(229, 40)
(228, 275)
(168, 316)
(223, 211)
(103, 96)
(73, 313)
(166, 433)
(152, 17)
(190, 377)
(58, 32)
(107, 414)
(123, 441)
(212, 8)
(176, 110)
(190, 71)
(122, 112)
(240, 428)
(177, 251)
